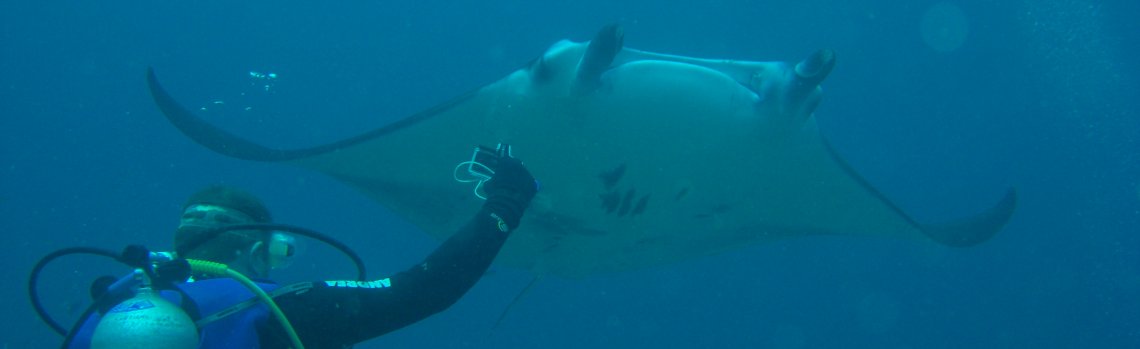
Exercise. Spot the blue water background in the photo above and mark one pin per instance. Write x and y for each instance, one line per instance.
(1041, 96)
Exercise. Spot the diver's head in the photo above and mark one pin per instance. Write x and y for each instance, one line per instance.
(251, 252)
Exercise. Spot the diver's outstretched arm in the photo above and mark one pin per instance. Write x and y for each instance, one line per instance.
(334, 314)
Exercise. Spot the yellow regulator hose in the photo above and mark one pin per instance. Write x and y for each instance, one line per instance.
(212, 268)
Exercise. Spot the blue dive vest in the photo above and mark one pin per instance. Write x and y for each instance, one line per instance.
(237, 330)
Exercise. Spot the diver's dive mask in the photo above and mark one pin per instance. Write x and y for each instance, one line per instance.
(201, 218)
(212, 216)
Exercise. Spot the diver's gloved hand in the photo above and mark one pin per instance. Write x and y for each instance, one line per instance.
(509, 192)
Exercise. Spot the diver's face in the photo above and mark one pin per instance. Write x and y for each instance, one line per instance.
(199, 219)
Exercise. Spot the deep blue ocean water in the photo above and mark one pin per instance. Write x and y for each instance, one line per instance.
(1039, 95)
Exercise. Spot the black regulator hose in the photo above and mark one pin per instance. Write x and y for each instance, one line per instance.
(33, 280)
(70, 335)
(208, 235)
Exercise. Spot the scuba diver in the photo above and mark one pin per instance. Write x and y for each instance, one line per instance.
(174, 306)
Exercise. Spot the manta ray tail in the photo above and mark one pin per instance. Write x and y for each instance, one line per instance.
(514, 301)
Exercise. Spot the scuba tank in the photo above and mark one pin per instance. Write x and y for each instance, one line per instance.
(143, 321)
(134, 313)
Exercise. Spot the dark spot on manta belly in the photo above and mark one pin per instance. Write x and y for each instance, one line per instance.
(681, 194)
(640, 207)
(626, 203)
(610, 178)
(614, 200)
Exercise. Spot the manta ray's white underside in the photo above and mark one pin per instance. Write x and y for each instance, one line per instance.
(644, 159)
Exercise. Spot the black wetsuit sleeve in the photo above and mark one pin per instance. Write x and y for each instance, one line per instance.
(337, 314)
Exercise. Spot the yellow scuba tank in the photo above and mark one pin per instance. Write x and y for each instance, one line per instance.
(145, 321)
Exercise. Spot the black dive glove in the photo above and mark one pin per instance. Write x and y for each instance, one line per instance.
(509, 191)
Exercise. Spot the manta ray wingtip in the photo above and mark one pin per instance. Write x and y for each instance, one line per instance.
(151, 78)
(210, 136)
(976, 229)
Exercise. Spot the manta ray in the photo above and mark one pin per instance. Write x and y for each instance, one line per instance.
(644, 159)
